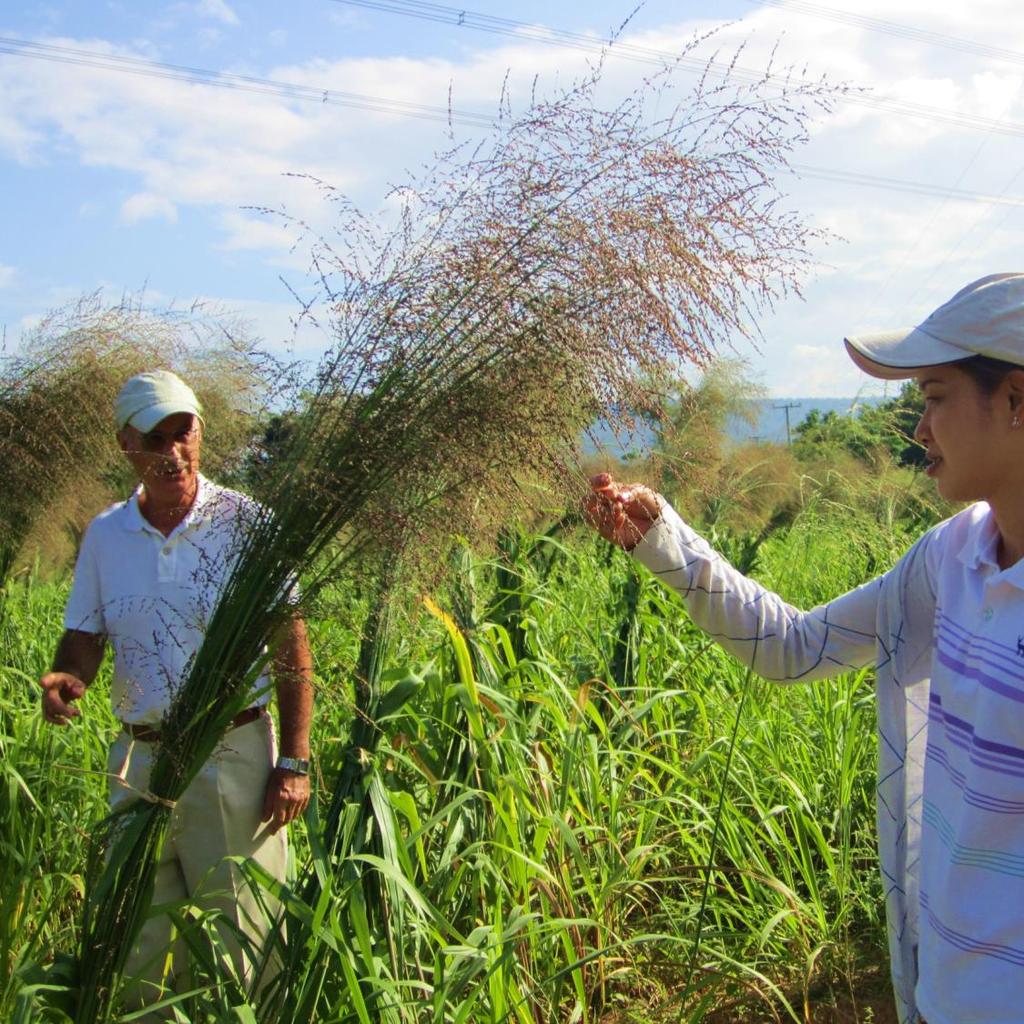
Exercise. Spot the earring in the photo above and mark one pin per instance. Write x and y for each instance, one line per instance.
(1015, 422)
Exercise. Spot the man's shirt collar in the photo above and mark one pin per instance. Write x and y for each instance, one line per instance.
(202, 509)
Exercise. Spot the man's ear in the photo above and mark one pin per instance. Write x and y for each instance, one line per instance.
(124, 441)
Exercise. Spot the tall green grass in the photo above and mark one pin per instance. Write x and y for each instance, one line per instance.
(52, 792)
(530, 766)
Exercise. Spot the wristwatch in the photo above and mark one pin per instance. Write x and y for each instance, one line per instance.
(299, 765)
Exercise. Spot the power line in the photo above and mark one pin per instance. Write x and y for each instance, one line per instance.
(933, 39)
(982, 216)
(893, 28)
(964, 236)
(900, 185)
(243, 83)
(524, 31)
(464, 18)
(786, 406)
(312, 94)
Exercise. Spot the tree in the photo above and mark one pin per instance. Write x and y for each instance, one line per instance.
(691, 427)
(888, 426)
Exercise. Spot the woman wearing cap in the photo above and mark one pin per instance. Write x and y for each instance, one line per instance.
(945, 628)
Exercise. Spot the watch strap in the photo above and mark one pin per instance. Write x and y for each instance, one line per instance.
(299, 765)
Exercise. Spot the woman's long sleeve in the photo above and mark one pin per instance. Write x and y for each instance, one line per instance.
(779, 641)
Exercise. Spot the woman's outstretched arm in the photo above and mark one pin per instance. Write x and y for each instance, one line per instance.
(755, 625)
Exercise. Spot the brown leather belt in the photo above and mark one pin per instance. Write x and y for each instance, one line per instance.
(147, 734)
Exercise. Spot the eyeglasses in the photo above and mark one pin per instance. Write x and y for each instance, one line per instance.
(154, 441)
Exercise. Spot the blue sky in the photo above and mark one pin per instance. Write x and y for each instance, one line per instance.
(124, 182)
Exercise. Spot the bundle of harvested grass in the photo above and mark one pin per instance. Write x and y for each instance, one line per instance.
(526, 286)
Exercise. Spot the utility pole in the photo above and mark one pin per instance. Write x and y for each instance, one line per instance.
(787, 406)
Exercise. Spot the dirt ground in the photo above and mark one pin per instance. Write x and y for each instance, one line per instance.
(870, 1003)
(869, 1009)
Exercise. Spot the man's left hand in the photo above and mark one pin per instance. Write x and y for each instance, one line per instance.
(286, 798)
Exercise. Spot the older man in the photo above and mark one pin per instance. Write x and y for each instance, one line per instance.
(148, 577)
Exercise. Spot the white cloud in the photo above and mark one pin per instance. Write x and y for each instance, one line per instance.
(273, 326)
(997, 93)
(29, 322)
(815, 370)
(19, 139)
(247, 230)
(187, 145)
(147, 206)
(218, 10)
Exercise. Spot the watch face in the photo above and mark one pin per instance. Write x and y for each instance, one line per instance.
(293, 764)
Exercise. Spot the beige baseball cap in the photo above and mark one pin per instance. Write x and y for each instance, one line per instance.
(984, 319)
(147, 398)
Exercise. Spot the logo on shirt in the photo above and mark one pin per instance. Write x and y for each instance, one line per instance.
(1020, 646)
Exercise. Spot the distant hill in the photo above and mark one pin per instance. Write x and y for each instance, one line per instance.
(771, 422)
(770, 425)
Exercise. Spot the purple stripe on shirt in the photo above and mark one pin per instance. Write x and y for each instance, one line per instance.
(974, 797)
(981, 761)
(971, 671)
(975, 647)
(958, 728)
(998, 655)
(1009, 954)
(1005, 652)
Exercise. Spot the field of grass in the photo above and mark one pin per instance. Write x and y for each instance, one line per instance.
(542, 796)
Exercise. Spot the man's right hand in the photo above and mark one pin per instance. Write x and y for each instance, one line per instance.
(59, 690)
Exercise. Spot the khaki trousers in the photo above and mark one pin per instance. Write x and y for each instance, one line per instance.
(218, 816)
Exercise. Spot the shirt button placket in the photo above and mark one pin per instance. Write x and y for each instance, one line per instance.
(167, 560)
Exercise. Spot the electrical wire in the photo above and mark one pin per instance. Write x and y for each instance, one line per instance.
(463, 18)
(291, 91)
(900, 185)
(243, 83)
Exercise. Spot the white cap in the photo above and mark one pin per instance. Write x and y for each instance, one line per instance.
(147, 398)
(984, 319)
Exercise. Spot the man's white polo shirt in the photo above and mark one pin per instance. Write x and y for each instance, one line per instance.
(152, 596)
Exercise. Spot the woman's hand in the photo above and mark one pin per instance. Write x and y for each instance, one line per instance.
(621, 513)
